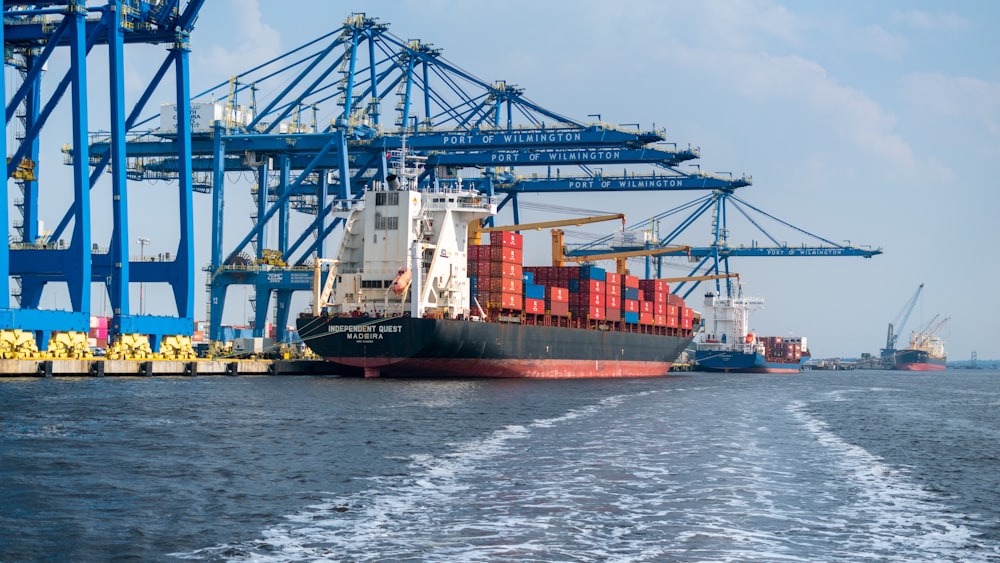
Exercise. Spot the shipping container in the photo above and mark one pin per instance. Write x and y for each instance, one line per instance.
(507, 285)
(631, 306)
(506, 254)
(534, 291)
(511, 301)
(556, 294)
(508, 239)
(631, 317)
(506, 270)
(534, 306)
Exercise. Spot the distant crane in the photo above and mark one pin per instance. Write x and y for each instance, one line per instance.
(923, 338)
(896, 328)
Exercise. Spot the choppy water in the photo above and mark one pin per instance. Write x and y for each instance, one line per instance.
(835, 466)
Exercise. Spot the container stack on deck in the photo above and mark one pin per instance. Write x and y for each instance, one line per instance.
(787, 349)
(578, 296)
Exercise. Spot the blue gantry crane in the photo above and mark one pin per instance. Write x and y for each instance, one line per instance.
(68, 254)
(319, 164)
(315, 144)
(713, 259)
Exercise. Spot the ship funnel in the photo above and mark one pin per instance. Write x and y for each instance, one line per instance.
(393, 181)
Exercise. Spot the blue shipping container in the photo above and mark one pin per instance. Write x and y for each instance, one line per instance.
(592, 273)
(528, 277)
(534, 291)
(632, 318)
(631, 293)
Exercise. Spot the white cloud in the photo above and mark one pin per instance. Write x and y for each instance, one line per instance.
(971, 100)
(847, 112)
(934, 22)
(255, 43)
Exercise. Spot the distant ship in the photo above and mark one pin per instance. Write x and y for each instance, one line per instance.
(727, 344)
(926, 351)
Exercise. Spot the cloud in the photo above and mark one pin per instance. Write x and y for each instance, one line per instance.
(255, 43)
(973, 101)
(796, 82)
(931, 22)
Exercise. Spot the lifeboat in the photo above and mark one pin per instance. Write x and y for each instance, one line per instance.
(401, 282)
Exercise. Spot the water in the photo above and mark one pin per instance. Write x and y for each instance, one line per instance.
(834, 466)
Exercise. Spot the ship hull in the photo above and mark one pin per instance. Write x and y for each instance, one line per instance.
(407, 347)
(742, 362)
(918, 360)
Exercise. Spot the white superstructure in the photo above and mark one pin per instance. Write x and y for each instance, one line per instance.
(728, 324)
(394, 220)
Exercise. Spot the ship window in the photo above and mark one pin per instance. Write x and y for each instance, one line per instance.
(386, 223)
(387, 198)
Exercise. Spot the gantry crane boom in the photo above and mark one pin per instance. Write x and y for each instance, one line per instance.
(559, 253)
(476, 228)
(700, 278)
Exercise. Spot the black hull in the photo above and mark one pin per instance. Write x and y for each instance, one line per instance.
(918, 360)
(403, 346)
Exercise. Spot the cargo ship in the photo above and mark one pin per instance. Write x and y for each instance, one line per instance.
(728, 345)
(413, 293)
(926, 351)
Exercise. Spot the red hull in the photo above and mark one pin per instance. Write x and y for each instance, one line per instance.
(506, 368)
(919, 367)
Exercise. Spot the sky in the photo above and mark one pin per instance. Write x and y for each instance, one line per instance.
(876, 123)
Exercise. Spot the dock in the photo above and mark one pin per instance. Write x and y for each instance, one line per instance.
(148, 368)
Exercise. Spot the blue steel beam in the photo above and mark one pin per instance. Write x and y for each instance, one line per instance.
(631, 183)
(77, 266)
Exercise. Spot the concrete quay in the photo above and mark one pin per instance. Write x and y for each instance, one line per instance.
(101, 367)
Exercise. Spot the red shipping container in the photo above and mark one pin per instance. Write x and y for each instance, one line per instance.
(483, 270)
(612, 313)
(631, 306)
(507, 285)
(646, 307)
(507, 238)
(659, 308)
(659, 320)
(614, 289)
(645, 318)
(592, 299)
(673, 311)
(534, 306)
(613, 302)
(507, 301)
(642, 295)
(505, 270)
(654, 286)
(557, 294)
(688, 313)
(630, 281)
(687, 324)
(673, 322)
(559, 309)
(592, 286)
(597, 312)
(506, 254)
(613, 279)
